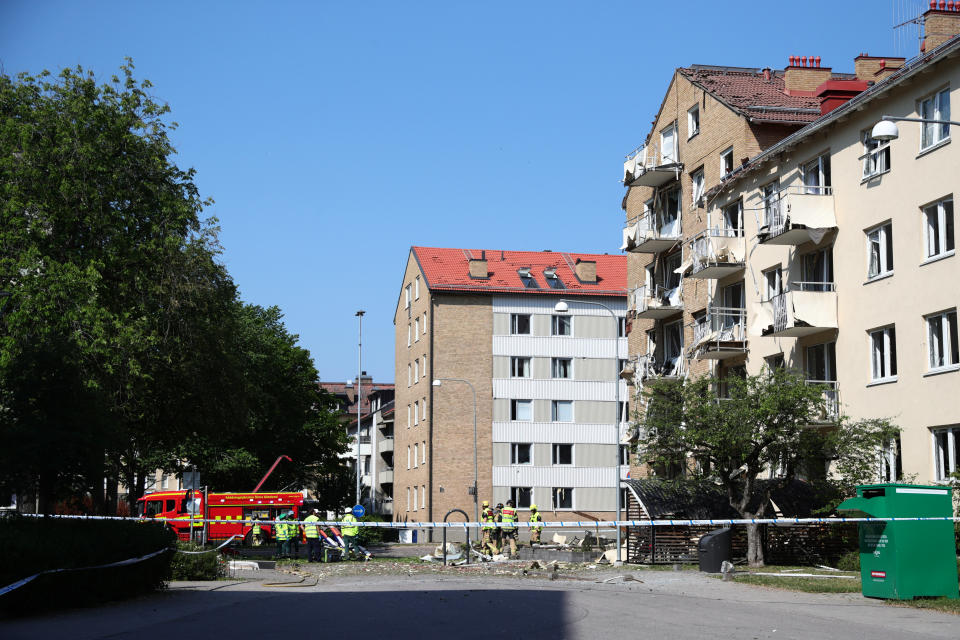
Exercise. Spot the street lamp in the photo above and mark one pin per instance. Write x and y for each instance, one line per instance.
(359, 315)
(439, 382)
(563, 307)
(886, 130)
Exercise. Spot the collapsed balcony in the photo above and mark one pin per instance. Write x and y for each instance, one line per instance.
(717, 253)
(796, 215)
(720, 334)
(649, 366)
(804, 309)
(656, 302)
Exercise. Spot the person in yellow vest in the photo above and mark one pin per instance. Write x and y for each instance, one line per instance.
(256, 538)
(488, 517)
(535, 529)
(282, 534)
(508, 516)
(498, 532)
(350, 531)
(312, 532)
(294, 533)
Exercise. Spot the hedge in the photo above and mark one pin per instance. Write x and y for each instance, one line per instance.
(197, 566)
(33, 545)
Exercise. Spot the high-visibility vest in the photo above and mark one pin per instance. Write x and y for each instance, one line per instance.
(536, 517)
(310, 530)
(256, 527)
(488, 518)
(283, 534)
(349, 531)
(508, 515)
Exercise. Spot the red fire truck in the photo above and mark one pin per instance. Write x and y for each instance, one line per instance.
(227, 511)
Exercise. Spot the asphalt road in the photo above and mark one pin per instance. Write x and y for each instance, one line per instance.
(662, 605)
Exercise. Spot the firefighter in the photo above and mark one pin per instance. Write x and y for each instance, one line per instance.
(294, 533)
(498, 532)
(257, 536)
(350, 532)
(488, 517)
(312, 533)
(283, 536)
(536, 528)
(508, 533)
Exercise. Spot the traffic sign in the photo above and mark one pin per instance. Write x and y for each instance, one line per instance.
(358, 511)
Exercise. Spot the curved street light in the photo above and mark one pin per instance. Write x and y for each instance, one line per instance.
(886, 130)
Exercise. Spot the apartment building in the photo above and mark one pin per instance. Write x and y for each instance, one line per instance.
(543, 383)
(797, 261)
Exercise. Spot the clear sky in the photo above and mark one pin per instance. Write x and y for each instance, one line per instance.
(335, 135)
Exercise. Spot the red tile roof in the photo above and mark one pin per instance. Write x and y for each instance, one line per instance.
(449, 270)
(749, 93)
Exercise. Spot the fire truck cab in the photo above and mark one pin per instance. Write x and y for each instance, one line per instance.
(228, 512)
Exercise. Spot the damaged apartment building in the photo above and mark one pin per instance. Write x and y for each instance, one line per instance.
(769, 225)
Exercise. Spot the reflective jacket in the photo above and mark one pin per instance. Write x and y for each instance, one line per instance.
(349, 531)
(536, 517)
(488, 517)
(283, 533)
(508, 515)
(256, 527)
(310, 529)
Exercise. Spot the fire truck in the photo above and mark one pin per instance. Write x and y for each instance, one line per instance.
(186, 510)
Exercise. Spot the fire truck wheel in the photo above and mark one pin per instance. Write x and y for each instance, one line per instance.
(248, 539)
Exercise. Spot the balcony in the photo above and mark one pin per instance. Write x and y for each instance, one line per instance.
(831, 396)
(797, 215)
(717, 253)
(646, 167)
(651, 232)
(806, 308)
(656, 302)
(649, 366)
(385, 445)
(385, 477)
(721, 334)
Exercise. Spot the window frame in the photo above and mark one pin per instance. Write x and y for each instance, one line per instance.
(772, 282)
(557, 321)
(515, 493)
(937, 113)
(521, 366)
(555, 451)
(946, 456)
(724, 155)
(515, 453)
(568, 493)
(947, 344)
(515, 404)
(824, 185)
(555, 413)
(882, 343)
(693, 121)
(876, 156)
(554, 362)
(674, 151)
(945, 232)
(885, 256)
(515, 320)
(697, 187)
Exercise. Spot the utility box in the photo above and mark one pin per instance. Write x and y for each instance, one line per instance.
(714, 548)
(911, 558)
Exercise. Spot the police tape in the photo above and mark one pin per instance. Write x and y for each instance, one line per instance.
(527, 524)
(197, 553)
(19, 583)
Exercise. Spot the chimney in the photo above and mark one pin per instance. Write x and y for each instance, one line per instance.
(875, 68)
(804, 74)
(940, 23)
(478, 268)
(586, 270)
(834, 93)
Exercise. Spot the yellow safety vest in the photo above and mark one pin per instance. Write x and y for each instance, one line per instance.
(256, 528)
(509, 517)
(310, 530)
(283, 533)
(488, 518)
(350, 531)
(535, 517)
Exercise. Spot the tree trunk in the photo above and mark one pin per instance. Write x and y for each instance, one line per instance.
(754, 545)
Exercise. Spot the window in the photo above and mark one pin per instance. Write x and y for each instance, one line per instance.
(553, 280)
(693, 121)
(416, 371)
(876, 156)
(526, 277)
(624, 456)
(942, 334)
(563, 454)
(623, 411)
(621, 327)
(561, 326)
(668, 144)
(423, 452)
(406, 297)
(416, 457)
(771, 203)
(561, 411)
(414, 498)
(423, 366)
(669, 219)
(416, 288)
(935, 107)
(883, 354)
(521, 453)
(408, 498)
(423, 496)
(733, 220)
(561, 498)
(726, 162)
(416, 413)
(946, 452)
(822, 362)
(522, 497)
(520, 324)
(408, 415)
(409, 335)
(561, 368)
(424, 324)
(733, 296)
(521, 410)
(817, 270)
(880, 251)
(938, 229)
(774, 362)
(696, 186)
(891, 462)
(671, 265)
(416, 330)
(409, 374)
(408, 456)
(423, 409)
(519, 367)
(773, 283)
(816, 176)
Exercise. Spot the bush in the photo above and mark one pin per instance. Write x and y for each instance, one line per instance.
(376, 535)
(197, 566)
(849, 561)
(34, 545)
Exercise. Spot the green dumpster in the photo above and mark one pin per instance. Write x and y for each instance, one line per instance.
(904, 560)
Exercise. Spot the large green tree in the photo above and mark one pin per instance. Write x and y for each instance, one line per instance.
(732, 431)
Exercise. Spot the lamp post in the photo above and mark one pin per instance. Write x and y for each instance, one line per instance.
(563, 307)
(439, 382)
(886, 130)
(359, 315)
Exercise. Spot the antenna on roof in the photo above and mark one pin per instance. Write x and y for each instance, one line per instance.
(907, 23)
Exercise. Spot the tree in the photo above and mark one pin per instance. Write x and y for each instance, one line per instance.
(759, 423)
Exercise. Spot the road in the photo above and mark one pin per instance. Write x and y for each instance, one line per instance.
(661, 605)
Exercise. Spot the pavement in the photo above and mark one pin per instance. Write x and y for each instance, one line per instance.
(395, 599)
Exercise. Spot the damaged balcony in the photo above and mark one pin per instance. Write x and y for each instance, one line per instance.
(653, 231)
(806, 308)
(720, 334)
(797, 215)
(656, 302)
(717, 253)
(649, 366)
(647, 167)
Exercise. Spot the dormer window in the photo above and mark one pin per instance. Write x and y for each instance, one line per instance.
(553, 280)
(527, 278)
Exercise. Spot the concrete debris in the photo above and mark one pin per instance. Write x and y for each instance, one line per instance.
(559, 539)
(244, 565)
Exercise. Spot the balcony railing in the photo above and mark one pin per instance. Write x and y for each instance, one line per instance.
(806, 308)
(720, 334)
(651, 232)
(831, 396)
(645, 166)
(649, 366)
(717, 253)
(656, 302)
(798, 214)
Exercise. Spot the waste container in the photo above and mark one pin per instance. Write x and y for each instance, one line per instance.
(714, 548)
(906, 559)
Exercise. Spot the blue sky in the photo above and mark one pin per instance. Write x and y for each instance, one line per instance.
(333, 136)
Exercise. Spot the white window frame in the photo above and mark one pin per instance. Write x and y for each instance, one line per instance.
(772, 282)
(515, 496)
(423, 496)
(554, 451)
(521, 367)
(935, 106)
(556, 321)
(726, 153)
(423, 452)
(945, 457)
(943, 235)
(737, 213)
(884, 240)
(941, 347)
(697, 182)
(567, 491)
(423, 409)
(416, 329)
(423, 366)
(409, 374)
(555, 413)
(624, 452)
(416, 412)
(424, 323)
(621, 327)
(416, 288)
(409, 334)
(409, 408)
(876, 156)
(514, 322)
(414, 498)
(406, 297)
(668, 132)
(515, 453)
(408, 499)
(408, 456)
(693, 121)
(819, 168)
(416, 371)
(554, 365)
(416, 455)
(515, 404)
(883, 354)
